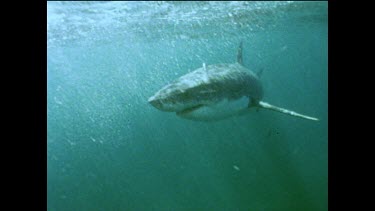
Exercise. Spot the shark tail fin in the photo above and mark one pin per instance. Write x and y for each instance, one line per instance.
(285, 111)
(239, 54)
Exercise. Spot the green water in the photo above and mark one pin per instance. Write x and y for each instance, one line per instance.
(108, 149)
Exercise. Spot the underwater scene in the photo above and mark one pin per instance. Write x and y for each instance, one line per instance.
(187, 105)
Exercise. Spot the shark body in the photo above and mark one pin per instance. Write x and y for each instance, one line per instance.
(215, 92)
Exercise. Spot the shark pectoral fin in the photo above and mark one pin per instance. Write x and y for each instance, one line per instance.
(285, 111)
(188, 110)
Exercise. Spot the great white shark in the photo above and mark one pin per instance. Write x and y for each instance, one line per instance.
(216, 92)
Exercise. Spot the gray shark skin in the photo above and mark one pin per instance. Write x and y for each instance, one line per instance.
(215, 92)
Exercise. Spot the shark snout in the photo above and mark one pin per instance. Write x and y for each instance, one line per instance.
(162, 104)
(155, 102)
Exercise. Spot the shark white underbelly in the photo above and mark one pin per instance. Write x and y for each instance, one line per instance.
(221, 110)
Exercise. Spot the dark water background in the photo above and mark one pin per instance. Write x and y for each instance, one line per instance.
(108, 149)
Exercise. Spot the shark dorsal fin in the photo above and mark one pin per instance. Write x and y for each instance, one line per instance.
(239, 54)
